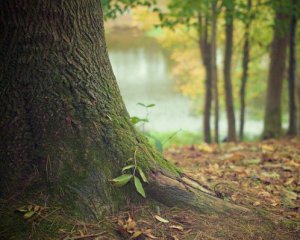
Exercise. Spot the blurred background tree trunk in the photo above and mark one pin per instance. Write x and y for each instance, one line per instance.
(292, 130)
(205, 51)
(272, 119)
(245, 63)
(229, 8)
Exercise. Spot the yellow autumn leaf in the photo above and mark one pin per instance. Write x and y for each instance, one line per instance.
(136, 234)
(161, 219)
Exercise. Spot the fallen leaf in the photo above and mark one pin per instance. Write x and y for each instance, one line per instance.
(267, 148)
(252, 161)
(234, 197)
(264, 194)
(161, 219)
(148, 234)
(28, 215)
(136, 234)
(178, 227)
(289, 181)
(205, 148)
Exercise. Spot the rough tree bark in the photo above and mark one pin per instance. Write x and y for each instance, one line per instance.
(292, 75)
(272, 119)
(64, 127)
(246, 57)
(227, 72)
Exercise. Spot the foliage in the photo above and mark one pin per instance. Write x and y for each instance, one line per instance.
(125, 178)
(112, 8)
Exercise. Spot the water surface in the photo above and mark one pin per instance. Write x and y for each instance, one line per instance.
(142, 69)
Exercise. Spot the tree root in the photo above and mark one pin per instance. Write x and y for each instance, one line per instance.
(182, 191)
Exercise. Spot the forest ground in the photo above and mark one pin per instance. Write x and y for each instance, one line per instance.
(262, 176)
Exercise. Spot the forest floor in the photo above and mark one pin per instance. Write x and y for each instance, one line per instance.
(261, 176)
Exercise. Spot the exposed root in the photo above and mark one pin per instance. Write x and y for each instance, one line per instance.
(187, 193)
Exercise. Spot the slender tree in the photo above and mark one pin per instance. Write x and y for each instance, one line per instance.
(214, 71)
(272, 119)
(64, 128)
(205, 51)
(292, 74)
(229, 9)
(245, 63)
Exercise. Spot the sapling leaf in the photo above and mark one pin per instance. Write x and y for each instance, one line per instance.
(141, 104)
(127, 167)
(150, 105)
(142, 174)
(134, 120)
(139, 187)
(122, 180)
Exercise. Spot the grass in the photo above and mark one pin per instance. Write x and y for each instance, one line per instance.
(184, 138)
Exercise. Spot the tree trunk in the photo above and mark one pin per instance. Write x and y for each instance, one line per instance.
(64, 128)
(204, 47)
(245, 73)
(227, 73)
(208, 102)
(272, 119)
(63, 121)
(292, 76)
(214, 71)
(298, 103)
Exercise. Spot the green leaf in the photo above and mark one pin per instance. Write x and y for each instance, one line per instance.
(150, 105)
(139, 186)
(134, 120)
(142, 174)
(127, 167)
(28, 214)
(141, 104)
(122, 180)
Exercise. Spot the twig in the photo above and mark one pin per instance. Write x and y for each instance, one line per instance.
(88, 236)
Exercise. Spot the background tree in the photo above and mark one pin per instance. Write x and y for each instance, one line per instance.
(205, 48)
(203, 17)
(292, 130)
(214, 69)
(229, 18)
(245, 64)
(272, 119)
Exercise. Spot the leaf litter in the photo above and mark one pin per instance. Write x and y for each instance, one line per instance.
(264, 174)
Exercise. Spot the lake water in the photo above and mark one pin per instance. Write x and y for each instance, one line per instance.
(142, 69)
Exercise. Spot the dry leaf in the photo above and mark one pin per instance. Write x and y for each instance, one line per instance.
(264, 194)
(267, 148)
(289, 181)
(234, 197)
(131, 224)
(178, 227)
(161, 219)
(148, 234)
(206, 148)
(136, 234)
